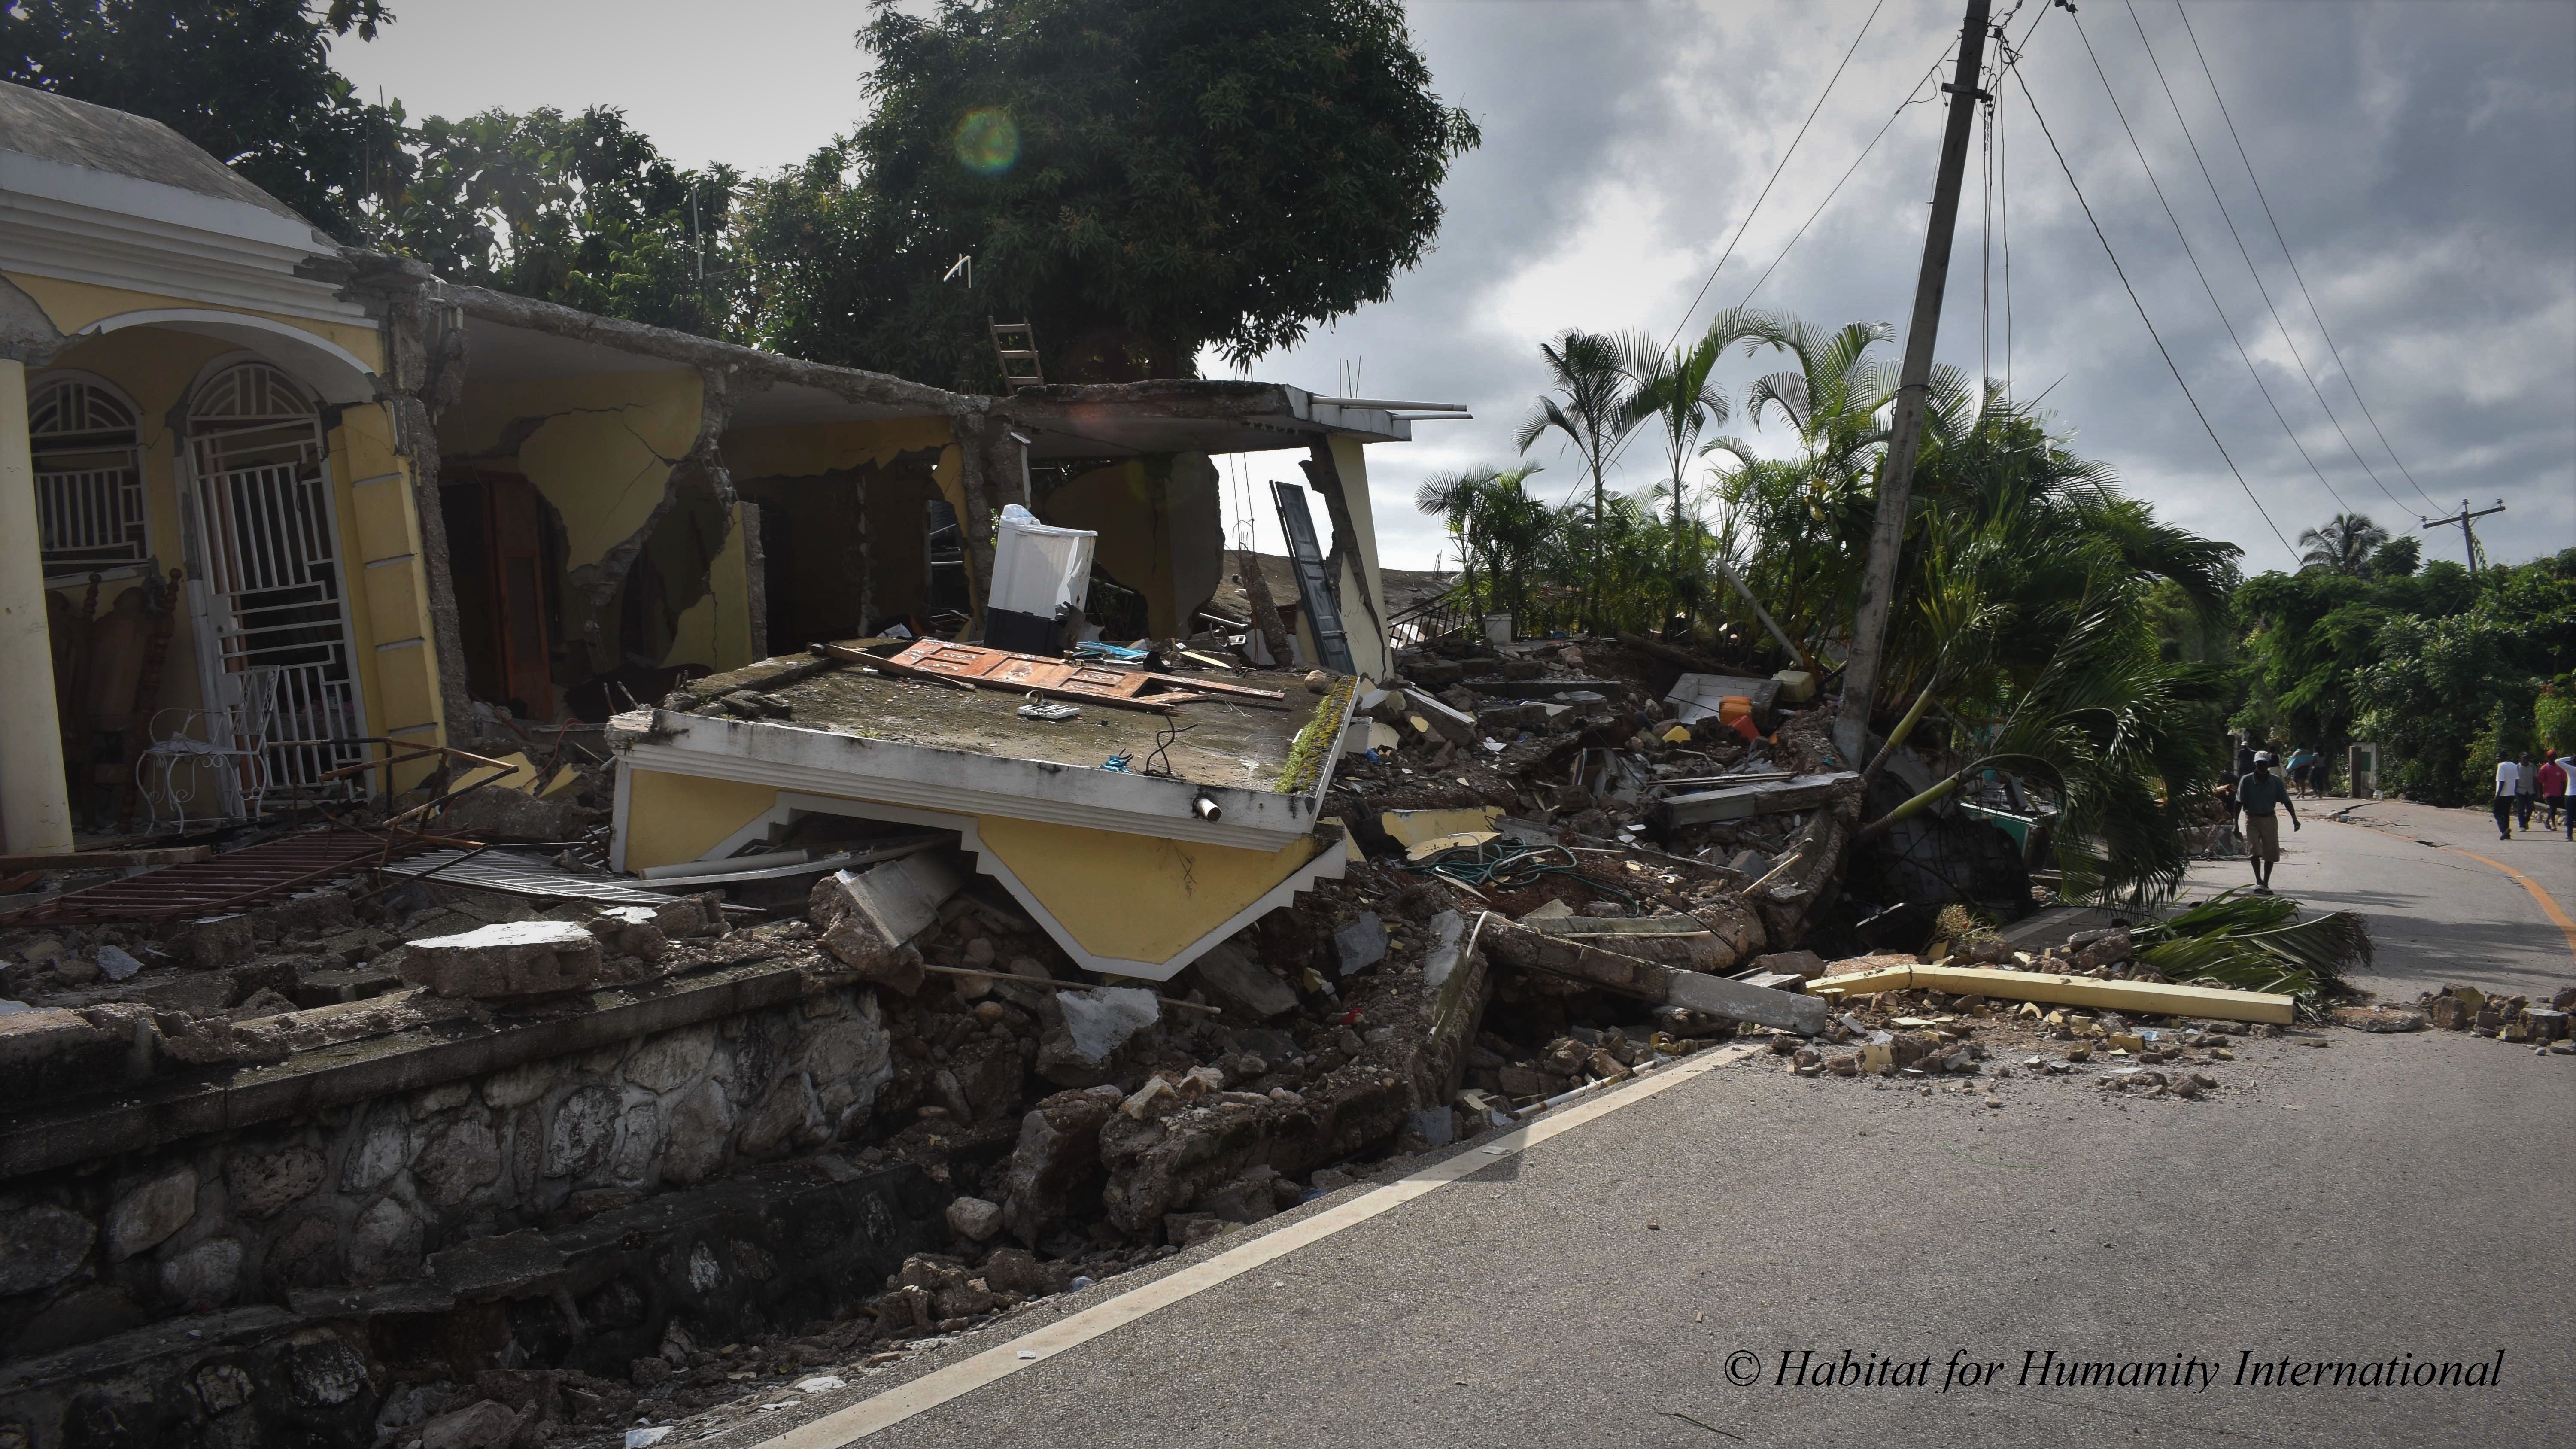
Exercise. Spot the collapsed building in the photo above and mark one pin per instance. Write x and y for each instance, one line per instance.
(575, 924)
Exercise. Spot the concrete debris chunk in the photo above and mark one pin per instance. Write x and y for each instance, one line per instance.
(974, 1217)
(1361, 944)
(1242, 988)
(1098, 1031)
(867, 918)
(520, 958)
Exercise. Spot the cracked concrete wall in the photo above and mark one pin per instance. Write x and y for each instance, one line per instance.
(629, 461)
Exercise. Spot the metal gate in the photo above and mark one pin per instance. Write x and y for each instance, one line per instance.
(268, 593)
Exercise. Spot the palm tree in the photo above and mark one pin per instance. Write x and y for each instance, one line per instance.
(2343, 546)
(1498, 523)
(1595, 415)
(1673, 389)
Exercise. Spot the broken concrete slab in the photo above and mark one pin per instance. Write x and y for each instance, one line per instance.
(1099, 1030)
(1242, 988)
(1743, 802)
(1574, 959)
(867, 917)
(1681, 941)
(1361, 944)
(518, 958)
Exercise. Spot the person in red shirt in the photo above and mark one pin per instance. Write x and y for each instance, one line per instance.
(2553, 797)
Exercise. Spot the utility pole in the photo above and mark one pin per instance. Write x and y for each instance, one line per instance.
(1896, 471)
(2467, 520)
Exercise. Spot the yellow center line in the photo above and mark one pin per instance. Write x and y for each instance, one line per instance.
(2548, 907)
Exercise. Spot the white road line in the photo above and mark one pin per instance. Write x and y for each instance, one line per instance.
(845, 1426)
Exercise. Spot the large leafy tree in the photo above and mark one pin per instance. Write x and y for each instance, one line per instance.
(248, 80)
(1139, 179)
(581, 210)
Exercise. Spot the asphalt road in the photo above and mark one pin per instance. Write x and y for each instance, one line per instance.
(2383, 1197)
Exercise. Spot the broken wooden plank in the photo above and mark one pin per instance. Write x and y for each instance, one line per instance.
(104, 859)
(2145, 998)
(1519, 946)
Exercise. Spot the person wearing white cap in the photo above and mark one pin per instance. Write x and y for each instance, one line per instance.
(2257, 794)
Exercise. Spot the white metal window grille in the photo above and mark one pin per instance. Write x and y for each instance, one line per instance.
(268, 580)
(89, 478)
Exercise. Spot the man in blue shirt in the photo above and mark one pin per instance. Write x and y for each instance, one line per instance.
(2258, 794)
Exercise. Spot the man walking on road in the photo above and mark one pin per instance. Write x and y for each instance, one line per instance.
(2257, 794)
(2526, 793)
(2508, 786)
(2553, 795)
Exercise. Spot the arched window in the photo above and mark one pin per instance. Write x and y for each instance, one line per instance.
(89, 476)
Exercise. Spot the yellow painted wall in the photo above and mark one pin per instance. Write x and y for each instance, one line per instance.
(1135, 897)
(602, 454)
(1160, 531)
(716, 630)
(672, 818)
(809, 450)
(72, 306)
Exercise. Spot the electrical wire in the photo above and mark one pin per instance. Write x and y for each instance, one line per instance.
(2349, 380)
(1913, 97)
(1702, 293)
(2247, 253)
(2161, 350)
(2193, 256)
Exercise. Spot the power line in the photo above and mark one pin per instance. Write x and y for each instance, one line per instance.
(2161, 350)
(2243, 251)
(2349, 380)
(2194, 257)
(1913, 97)
(1702, 293)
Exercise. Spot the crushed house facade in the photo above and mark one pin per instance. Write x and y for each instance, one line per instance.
(274, 513)
(268, 489)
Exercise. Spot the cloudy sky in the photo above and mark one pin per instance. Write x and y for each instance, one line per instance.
(2420, 160)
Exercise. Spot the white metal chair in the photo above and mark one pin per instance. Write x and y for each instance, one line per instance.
(223, 748)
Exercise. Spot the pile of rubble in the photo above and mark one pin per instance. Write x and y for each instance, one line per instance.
(2513, 1019)
(425, 1099)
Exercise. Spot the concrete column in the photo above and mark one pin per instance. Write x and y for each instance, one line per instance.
(35, 812)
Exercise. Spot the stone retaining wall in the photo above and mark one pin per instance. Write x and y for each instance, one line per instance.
(360, 1193)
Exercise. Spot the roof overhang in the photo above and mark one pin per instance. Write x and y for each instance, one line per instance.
(1185, 416)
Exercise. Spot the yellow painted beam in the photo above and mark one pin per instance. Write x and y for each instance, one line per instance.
(2143, 997)
(1135, 897)
(672, 818)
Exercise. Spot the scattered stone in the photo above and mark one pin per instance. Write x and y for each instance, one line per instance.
(482, 1424)
(1361, 944)
(975, 1218)
(1242, 988)
(1099, 1029)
